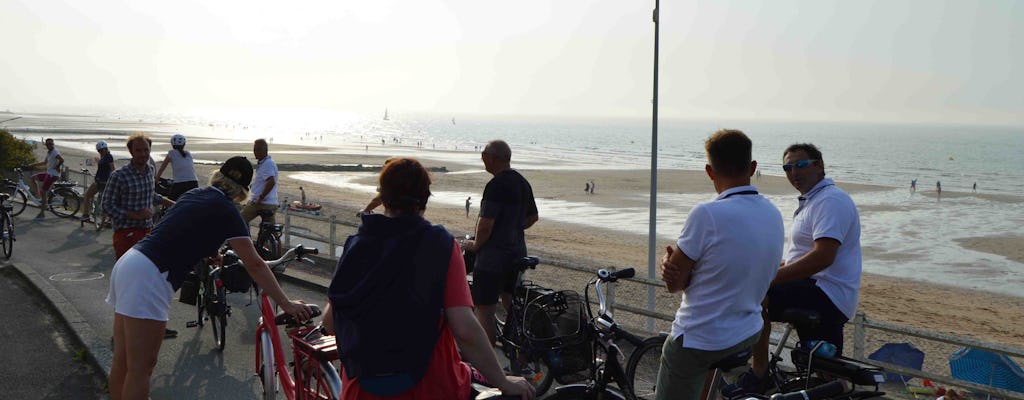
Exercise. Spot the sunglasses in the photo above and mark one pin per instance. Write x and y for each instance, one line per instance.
(798, 165)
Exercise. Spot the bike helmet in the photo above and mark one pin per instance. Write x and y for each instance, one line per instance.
(178, 140)
(100, 145)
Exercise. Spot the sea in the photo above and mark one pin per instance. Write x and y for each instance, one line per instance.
(904, 235)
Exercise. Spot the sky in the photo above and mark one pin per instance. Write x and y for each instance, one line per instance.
(869, 61)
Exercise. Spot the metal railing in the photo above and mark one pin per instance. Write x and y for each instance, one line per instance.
(633, 300)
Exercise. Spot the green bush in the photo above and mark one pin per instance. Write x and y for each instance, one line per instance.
(14, 152)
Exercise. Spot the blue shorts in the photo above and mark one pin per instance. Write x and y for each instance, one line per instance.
(805, 294)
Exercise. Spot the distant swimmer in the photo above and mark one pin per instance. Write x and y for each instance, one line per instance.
(938, 189)
(913, 185)
(975, 187)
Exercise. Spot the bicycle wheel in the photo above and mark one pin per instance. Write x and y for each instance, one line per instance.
(7, 232)
(581, 392)
(267, 372)
(18, 200)
(321, 380)
(65, 203)
(219, 318)
(642, 366)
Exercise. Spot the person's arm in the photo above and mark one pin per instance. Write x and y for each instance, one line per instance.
(476, 349)
(266, 190)
(260, 273)
(60, 162)
(160, 172)
(820, 257)
(328, 321)
(530, 220)
(484, 227)
(676, 269)
(110, 201)
(374, 203)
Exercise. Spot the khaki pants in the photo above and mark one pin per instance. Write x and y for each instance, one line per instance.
(249, 212)
(683, 370)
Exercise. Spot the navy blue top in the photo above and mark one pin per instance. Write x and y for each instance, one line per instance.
(508, 198)
(195, 227)
(104, 168)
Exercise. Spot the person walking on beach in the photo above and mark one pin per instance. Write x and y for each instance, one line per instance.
(586, 187)
(468, 202)
(975, 187)
(938, 189)
(723, 262)
(822, 266)
(53, 162)
(104, 167)
(183, 169)
(506, 210)
(913, 185)
(264, 185)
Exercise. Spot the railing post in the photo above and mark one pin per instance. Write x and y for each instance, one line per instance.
(858, 336)
(334, 230)
(287, 228)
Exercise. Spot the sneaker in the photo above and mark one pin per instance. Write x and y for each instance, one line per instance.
(746, 383)
(84, 218)
(170, 333)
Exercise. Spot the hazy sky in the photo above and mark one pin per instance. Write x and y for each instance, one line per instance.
(891, 60)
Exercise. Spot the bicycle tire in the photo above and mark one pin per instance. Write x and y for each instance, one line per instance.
(219, 322)
(645, 360)
(65, 203)
(268, 371)
(324, 386)
(18, 200)
(7, 234)
(542, 377)
(581, 392)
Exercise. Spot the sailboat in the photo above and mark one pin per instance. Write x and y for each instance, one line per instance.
(385, 113)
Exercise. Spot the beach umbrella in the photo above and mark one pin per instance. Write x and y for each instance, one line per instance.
(902, 354)
(986, 368)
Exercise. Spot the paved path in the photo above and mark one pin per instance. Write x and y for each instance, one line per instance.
(72, 266)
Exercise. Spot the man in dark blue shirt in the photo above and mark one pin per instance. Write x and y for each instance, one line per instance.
(104, 167)
(506, 210)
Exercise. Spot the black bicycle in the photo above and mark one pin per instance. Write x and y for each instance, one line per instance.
(213, 282)
(811, 371)
(605, 366)
(268, 239)
(6, 225)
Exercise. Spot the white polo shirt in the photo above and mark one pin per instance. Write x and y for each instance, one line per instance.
(52, 162)
(828, 212)
(265, 169)
(736, 241)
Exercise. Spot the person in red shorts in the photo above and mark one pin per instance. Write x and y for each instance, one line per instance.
(53, 163)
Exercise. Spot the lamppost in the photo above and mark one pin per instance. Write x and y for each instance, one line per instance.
(652, 226)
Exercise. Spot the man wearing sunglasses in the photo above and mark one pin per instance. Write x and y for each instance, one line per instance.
(822, 264)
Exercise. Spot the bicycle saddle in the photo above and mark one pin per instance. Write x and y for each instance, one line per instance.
(526, 262)
(284, 318)
(734, 360)
(801, 318)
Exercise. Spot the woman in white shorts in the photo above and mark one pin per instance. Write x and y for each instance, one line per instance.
(144, 280)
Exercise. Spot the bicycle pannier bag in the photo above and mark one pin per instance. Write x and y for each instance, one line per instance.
(236, 279)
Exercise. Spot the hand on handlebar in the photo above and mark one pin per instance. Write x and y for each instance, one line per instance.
(518, 386)
(297, 309)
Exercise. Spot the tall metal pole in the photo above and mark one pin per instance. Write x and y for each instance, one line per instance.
(652, 226)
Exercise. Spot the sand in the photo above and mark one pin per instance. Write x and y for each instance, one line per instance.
(968, 313)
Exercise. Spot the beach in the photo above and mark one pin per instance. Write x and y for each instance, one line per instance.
(975, 314)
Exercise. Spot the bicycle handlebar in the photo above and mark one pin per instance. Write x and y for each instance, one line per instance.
(815, 393)
(286, 319)
(295, 253)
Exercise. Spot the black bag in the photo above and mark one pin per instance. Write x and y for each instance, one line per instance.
(236, 279)
(189, 289)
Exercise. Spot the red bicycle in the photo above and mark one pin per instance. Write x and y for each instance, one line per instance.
(312, 375)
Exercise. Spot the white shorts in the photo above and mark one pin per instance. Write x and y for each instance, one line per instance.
(138, 289)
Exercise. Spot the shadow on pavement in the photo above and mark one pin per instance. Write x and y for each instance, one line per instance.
(41, 358)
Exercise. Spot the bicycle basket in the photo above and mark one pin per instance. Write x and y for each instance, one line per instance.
(236, 279)
(555, 323)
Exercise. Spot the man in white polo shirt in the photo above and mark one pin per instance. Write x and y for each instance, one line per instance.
(725, 259)
(263, 194)
(822, 268)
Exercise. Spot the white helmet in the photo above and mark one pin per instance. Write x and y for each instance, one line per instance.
(178, 140)
(100, 145)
